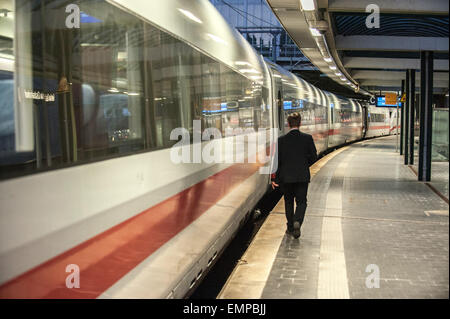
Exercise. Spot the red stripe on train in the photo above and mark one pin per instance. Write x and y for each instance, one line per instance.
(379, 127)
(107, 257)
(332, 132)
(395, 127)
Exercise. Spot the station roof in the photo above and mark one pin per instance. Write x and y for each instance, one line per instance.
(333, 35)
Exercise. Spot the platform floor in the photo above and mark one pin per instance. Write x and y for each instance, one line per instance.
(367, 214)
(439, 177)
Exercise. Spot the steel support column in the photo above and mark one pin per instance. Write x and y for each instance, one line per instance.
(405, 121)
(426, 115)
(411, 106)
(402, 116)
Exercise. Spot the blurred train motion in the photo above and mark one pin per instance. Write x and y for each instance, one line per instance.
(88, 194)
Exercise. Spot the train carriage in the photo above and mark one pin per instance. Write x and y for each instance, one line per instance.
(378, 120)
(86, 176)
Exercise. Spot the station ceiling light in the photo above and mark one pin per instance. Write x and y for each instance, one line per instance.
(315, 32)
(308, 5)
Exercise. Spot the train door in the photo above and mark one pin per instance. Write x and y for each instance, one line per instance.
(278, 111)
(365, 120)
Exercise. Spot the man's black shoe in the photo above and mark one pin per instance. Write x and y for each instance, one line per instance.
(296, 232)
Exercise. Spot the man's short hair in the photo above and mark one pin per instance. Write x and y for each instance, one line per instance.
(294, 120)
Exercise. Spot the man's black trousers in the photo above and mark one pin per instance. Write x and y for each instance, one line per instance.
(295, 192)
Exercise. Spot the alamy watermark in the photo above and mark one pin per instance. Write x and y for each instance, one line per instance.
(373, 280)
(73, 280)
(74, 18)
(373, 20)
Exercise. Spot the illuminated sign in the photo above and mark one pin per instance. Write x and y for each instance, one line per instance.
(391, 98)
(381, 102)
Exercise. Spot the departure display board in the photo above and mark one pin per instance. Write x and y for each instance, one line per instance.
(381, 102)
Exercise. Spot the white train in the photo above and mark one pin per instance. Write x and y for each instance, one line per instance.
(91, 206)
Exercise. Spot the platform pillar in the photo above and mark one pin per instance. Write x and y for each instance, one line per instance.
(402, 116)
(426, 115)
(411, 97)
(405, 121)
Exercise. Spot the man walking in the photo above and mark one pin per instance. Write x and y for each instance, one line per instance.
(296, 153)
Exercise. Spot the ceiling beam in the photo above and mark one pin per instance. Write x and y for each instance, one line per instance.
(427, 7)
(386, 63)
(295, 24)
(390, 43)
(392, 75)
(393, 83)
(376, 89)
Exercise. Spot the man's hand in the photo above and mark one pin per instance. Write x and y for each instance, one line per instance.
(274, 185)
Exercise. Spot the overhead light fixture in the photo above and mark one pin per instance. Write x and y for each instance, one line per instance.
(329, 60)
(338, 73)
(315, 32)
(343, 79)
(308, 5)
(332, 67)
(190, 15)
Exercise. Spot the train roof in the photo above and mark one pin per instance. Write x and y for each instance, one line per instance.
(307, 91)
(198, 23)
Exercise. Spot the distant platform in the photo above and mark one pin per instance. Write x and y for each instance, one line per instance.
(371, 231)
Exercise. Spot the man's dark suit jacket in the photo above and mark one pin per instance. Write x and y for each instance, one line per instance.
(296, 153)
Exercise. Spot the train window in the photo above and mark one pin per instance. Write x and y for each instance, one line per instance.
(337, 116)
(108, 82)
(320, 115)
(7, 124)
(113, 87)
(376, 117)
